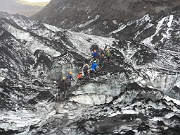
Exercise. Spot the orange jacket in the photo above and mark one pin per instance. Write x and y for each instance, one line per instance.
(79, 76)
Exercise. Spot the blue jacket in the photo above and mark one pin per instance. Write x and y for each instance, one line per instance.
(69, 77)
(95, 54)
(94, 65)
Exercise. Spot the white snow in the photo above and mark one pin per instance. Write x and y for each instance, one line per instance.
(129, 112)
(53, 28)
(33, 43)
(157, 119)
(92, 99)
(19, 34)
(1, 79)
(167, 35)
(19, 121)
(138, 22)
(114, 114)
(172, 99)
(37, 45)
(119, 29)
(178, 81)
(139, 32)
(169, 115)
(143, 20)
(114, 21)
(170, 20)
(83, 42)
(148, 40)
(3, 73)
(88, 22)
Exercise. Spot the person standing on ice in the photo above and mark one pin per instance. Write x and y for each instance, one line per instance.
(101, 61)
(69, 78)
(102, 51)
(85, 69)
(108, 54)
(62, 93)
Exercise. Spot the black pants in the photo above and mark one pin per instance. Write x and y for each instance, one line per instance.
(62, 95)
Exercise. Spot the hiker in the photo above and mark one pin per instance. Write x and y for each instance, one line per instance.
(62, 93)
(85, 70)
(101, 51)
(94, 66)
(79, 77)
(69, 78)
(101, 61)
(95, 54)
(108, 54)
(93, 69)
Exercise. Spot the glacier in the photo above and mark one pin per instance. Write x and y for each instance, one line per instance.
(136, 93)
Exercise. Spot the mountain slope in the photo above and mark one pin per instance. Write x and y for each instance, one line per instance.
(98, 17)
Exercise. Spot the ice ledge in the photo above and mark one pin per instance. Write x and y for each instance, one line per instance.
(92, 99)
(1, 79)
(172, 99)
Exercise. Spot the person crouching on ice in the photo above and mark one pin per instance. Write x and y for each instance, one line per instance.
(80, 75)
(94, 66)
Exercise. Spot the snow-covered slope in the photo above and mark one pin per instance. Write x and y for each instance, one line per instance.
(151, 45)
(136, 93)
(99, 17)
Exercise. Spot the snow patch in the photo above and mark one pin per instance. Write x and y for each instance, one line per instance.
(19, 34)
(119, 29)
(148, 40)
(170, 20)
(1, 79)
(129, 112)
(36, 45)
(172, 99)
(92, 99)
(19, 121)
(53, 28)
(88, 22)
(83, 42)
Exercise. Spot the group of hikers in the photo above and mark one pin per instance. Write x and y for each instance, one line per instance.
(98, 58)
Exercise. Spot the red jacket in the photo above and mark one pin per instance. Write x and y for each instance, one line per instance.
(79, 76)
